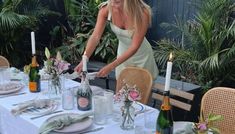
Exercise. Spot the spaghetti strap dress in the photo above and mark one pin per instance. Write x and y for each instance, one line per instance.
(143, 58)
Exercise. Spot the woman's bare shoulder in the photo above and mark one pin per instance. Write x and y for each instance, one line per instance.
(104, 11)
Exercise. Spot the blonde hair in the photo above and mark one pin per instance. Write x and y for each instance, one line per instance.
(135, 10)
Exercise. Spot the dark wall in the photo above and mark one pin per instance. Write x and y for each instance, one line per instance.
(165, 11)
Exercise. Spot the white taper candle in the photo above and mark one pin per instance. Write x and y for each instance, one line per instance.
(84, 63)
(33, 43)
(168, 74)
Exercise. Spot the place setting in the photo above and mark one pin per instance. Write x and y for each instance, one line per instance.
(69, 123)
(10, 88)
(35, 107)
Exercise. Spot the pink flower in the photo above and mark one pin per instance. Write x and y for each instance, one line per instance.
(62, 66)
(134, 95)
(202, 127)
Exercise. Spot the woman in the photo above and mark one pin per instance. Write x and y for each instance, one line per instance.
(129, 20)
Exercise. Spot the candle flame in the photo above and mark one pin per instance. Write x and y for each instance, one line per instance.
(171, 57)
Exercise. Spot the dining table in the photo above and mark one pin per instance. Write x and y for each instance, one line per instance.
(24, 124)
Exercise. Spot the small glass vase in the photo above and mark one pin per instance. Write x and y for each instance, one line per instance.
(55, 86)
(128, 116)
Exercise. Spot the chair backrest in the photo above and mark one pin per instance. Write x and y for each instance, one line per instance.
(220, 101)
(4, 62)
(139, 77)
(174, 93)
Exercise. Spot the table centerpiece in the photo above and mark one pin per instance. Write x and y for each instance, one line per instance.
(128, 94)
(55, 67)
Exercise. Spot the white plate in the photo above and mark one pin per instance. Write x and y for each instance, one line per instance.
(76, 127)
(10, 87)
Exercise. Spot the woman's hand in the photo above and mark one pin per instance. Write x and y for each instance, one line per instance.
(78, 68)
(105, 70)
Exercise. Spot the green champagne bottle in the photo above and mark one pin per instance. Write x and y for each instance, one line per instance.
(84, 93)
(164, 123)
(34, 77)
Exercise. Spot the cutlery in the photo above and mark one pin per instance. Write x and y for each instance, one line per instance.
(12, 95)
(84, 132)
(35, 117)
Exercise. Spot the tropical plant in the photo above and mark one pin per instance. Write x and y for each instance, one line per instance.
(82, 18)
(204, 47)
(17, 18)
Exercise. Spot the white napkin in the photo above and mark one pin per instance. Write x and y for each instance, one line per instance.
(34, 104)
(61, 122)
(74, 75)
(188, 129)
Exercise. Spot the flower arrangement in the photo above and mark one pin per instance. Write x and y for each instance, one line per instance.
(206, 124)
(55, 67)
(128, 93)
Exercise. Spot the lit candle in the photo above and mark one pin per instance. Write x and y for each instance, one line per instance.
(33, 43)
(168, 73)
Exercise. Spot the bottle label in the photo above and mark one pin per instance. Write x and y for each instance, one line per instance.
(165, 107)
(83, 102)
(33, 86)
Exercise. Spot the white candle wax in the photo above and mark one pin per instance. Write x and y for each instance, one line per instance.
(84, 63)
(33, 43)
(168, 76)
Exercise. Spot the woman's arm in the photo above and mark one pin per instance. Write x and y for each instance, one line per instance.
(137, 40)
(98, 31)
(95, 36)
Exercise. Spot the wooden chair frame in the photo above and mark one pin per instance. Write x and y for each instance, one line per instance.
(157, 94)
(4, 62)
(139, 77)
(220, 101)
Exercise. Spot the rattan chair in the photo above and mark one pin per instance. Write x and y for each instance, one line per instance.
(139, 77)
(221, 101)
(4, 62)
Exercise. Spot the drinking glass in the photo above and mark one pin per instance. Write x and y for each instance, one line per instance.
(117, 113)
(109, 101)
(100, 113)
(68, 99)
(4, 74)
(150, 121)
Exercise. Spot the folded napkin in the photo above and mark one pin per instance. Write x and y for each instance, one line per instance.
(10, 85)
(62, 122)
(41, 103)
(74, 75)
(188, 129)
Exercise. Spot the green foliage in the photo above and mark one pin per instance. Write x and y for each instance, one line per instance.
(82, 18)
(204, 48)
(17, 18)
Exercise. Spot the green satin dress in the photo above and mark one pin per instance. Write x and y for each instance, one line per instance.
(142, 58)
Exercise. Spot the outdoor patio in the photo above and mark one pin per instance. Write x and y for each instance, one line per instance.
(192, 41)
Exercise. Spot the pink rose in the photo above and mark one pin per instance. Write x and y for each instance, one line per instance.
(202, 127)
(134, 95)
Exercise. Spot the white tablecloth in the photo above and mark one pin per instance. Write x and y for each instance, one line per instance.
(22, 124)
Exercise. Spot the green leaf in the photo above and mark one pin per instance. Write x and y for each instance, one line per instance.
(213, 117)
(47, 53)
